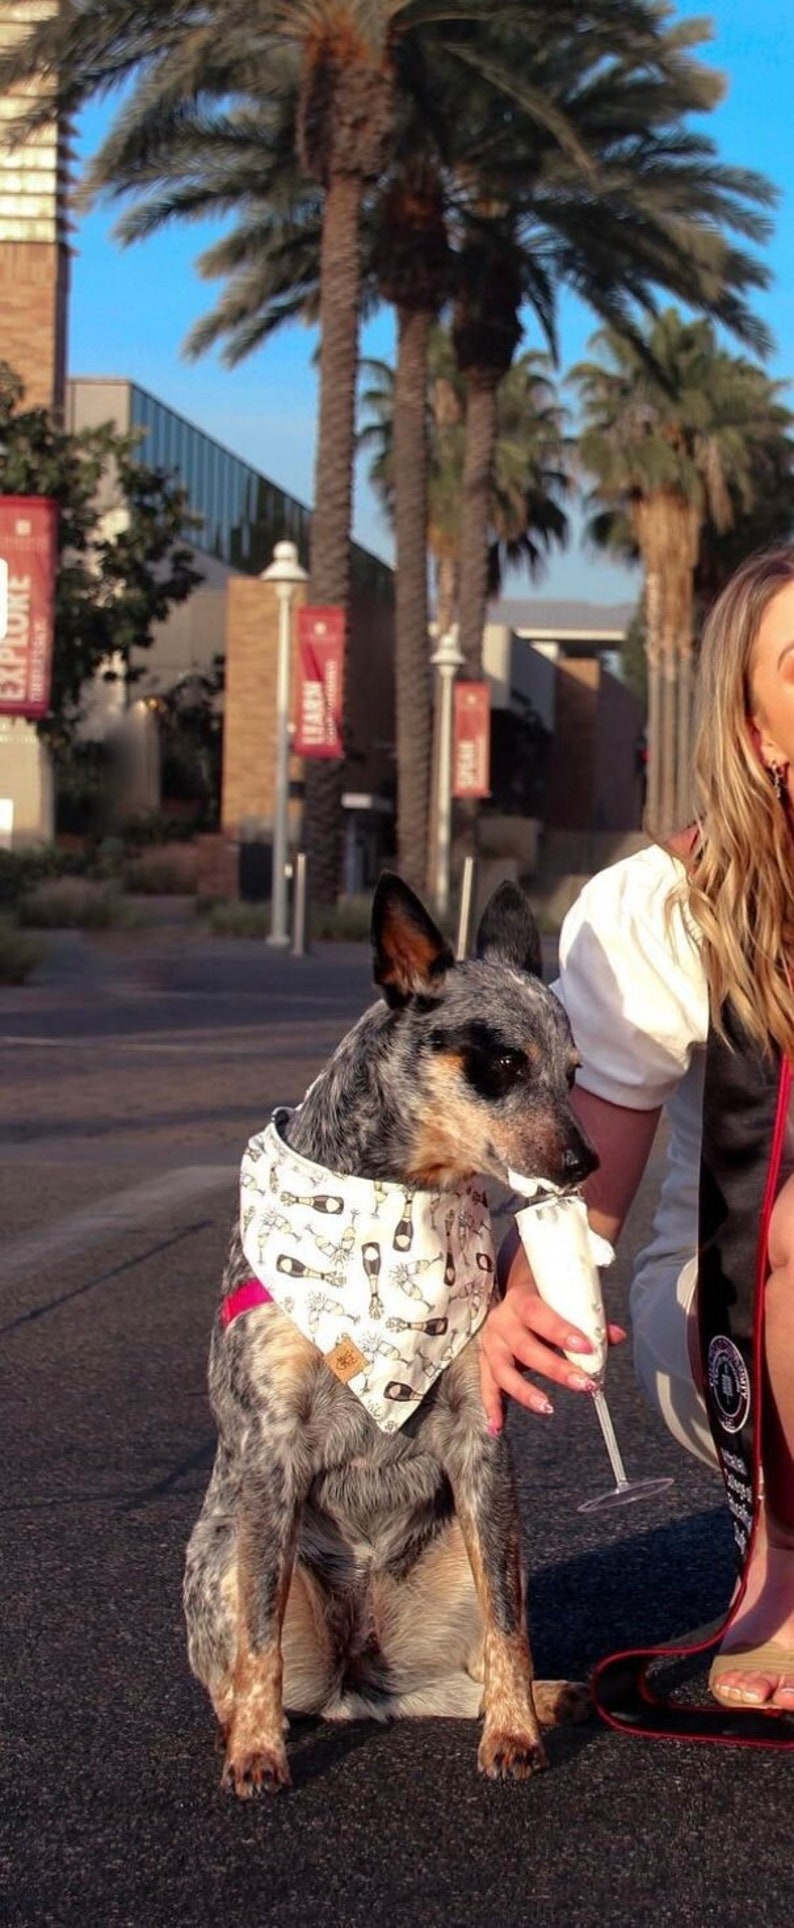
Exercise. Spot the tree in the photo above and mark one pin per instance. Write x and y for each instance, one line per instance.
(111, 588)
(328, 73)
(612, 194)
(582, 107)
(529, 482)
(679, 437)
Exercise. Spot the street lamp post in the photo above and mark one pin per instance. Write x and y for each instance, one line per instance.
(447, 660)
(286, 574)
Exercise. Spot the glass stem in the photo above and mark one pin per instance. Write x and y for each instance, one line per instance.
(608, 1430)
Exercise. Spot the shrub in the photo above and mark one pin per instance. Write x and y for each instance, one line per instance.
(167, 870)
(346, 922)
(70, 903)
(19, 954)
(157, 827)
(21, 870)
(237, 919)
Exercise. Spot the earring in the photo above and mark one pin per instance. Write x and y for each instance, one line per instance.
(777, 776)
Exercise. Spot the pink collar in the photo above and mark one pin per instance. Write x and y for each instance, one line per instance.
(243, 1299)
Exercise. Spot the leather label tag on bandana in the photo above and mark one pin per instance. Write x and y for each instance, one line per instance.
(345, 1360)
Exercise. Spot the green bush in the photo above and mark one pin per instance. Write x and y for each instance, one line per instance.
(157, 827)
(170, 870)
(21, 870)
(346, 922)
(19, 954)
(237, 919)
(71, 903)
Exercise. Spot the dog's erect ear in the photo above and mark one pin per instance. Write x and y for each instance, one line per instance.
(508, 932)
(410, 956)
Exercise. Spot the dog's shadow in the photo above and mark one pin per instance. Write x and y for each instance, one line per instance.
(318, 1748)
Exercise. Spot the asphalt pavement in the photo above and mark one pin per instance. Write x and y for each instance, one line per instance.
(134, 1068)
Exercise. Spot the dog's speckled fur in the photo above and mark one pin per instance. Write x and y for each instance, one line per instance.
(335, 1569)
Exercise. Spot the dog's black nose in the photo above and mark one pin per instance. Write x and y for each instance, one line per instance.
(578, 1163)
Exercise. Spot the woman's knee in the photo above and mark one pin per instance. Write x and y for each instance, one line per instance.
(780, 1245)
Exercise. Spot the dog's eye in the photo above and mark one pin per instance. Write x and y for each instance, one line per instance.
(493, 1073)
(509, 1062)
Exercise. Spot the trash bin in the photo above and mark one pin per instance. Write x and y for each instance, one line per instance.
(255, 866)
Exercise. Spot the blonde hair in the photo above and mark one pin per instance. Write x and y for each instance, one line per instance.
(741, 874)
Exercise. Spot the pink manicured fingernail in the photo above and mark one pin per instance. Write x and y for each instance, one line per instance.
(580, 1383)
(545, 1407)
(494, 1427)
(576, 1342)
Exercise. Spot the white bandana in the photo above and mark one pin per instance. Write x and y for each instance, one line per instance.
(388, 1282)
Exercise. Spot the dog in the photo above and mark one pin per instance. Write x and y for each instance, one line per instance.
(346, 1565)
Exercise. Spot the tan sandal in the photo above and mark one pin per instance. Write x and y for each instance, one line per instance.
(769, 1659)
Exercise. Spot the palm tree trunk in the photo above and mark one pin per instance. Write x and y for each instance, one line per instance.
(329, 568)
(683, 797)
(653, 652)
(667, 804)
(481, 387)
(447, 594)
(412, 653)
(692, 524)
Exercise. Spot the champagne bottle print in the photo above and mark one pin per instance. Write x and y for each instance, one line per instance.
(328, 1202)
(297, 1270)
(396, 1390)
(449, 1262)
(433, 1327)
(371, 1261)
(404, 1230)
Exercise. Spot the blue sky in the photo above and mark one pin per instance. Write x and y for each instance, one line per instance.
(131, 309)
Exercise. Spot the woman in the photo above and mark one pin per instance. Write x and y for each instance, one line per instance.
(673, 964)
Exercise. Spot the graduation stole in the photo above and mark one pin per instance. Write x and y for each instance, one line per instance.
(743, 1164)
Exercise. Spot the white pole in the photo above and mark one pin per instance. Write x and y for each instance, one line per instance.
(279, 933)
(285, 573)
(299, 910)
(447, 660)
(467, 888)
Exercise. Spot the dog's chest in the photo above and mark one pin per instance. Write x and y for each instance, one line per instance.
(377, 1504)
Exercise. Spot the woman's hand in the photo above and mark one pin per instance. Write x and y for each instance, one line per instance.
(523, 1331)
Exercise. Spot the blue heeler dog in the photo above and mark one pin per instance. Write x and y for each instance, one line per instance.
(358, 1551)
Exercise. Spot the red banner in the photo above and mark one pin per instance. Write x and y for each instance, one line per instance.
(28, 533)
(321, 662)
(471, 758)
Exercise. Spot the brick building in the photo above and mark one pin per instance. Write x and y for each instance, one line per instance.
(234, 615)
(557, 662)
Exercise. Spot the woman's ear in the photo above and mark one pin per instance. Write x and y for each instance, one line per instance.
(767, 752)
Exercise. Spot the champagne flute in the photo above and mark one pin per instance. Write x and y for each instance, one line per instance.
(564, 1254)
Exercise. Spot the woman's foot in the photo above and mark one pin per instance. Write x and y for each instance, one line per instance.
(761, 1638)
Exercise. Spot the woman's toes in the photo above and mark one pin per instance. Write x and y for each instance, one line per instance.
(746, 1690)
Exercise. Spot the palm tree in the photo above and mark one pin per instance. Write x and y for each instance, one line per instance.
(614, 196)
(329, 71)
(529, 480)
(676, 434)
(271, 263)
(608, 192)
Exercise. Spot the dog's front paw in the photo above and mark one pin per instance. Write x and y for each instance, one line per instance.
(504, 1756)
(561, 1700)
(257, 1770)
